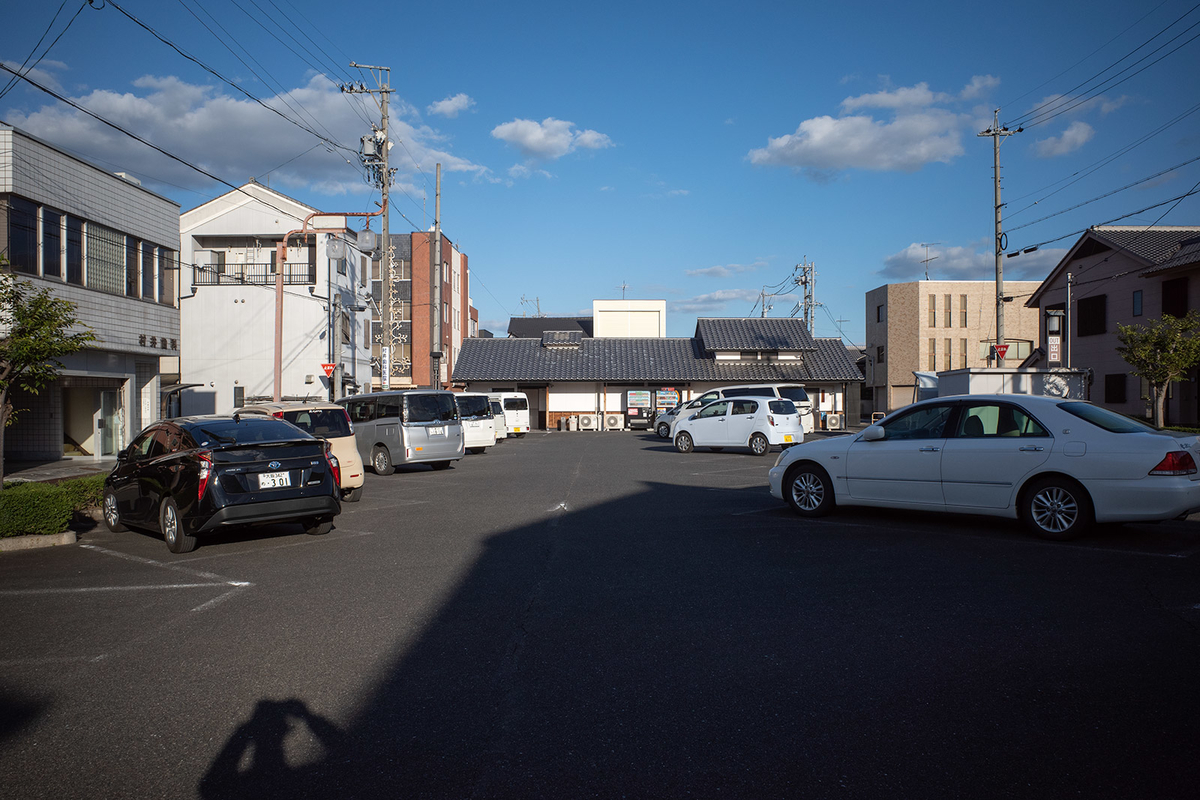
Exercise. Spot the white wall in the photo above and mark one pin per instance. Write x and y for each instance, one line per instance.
(623, 319)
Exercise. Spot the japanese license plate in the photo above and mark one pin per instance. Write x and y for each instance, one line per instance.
(274, 480)
(438, 431)
(787, 437)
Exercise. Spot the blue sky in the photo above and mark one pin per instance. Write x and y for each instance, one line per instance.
(693, 152)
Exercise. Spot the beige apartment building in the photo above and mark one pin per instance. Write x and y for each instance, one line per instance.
(933, 326)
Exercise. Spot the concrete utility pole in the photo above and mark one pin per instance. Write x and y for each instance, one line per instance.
(375, 159)
(437, 278)
(998, 133)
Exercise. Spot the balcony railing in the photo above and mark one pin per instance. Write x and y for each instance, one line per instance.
(294, 274)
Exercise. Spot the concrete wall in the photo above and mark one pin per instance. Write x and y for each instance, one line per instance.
(629, 318)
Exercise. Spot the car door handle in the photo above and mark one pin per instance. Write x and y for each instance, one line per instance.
(1031, 448)
(931, 449)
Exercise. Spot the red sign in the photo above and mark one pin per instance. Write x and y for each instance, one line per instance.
(329, 368)
(1002, 350)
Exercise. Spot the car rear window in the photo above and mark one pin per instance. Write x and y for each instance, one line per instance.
(794, 393)
(750, 391)
(473, 407)
(430, 408)
(516, 404)
(782, 407)
(326, 423)
(265, 429)
(1103, 418)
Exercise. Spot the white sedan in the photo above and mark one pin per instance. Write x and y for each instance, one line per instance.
(1058, 465)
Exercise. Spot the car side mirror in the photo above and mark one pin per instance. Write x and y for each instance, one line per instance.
(693, 416)
(874, 434)
(123, 455)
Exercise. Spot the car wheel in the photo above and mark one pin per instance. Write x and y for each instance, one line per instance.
(683, 442)
(1057, 508)
(178, 540)
(440, 465)
(808, 490)
(759, 445)
(352, 495)
(318, 527)
(381, 461)
(112, 517)
(663, 430)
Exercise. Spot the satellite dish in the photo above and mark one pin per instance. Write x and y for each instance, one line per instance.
(335, 248)
(366, 240)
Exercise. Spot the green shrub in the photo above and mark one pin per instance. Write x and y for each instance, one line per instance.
(46, 508)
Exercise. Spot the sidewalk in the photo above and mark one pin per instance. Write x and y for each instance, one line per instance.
(76, 467)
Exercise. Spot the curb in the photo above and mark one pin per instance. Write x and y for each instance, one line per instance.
(13, 543)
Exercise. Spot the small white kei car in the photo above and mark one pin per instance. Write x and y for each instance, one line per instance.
(1057, 465)
(754, 422)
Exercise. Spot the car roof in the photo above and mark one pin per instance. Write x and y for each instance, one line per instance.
(291, 406)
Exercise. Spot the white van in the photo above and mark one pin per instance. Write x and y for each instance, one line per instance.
(664, 426)
(498, 419)
(516, 411)
(479, 429)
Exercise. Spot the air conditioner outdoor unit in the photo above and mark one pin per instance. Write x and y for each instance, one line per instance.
(587, 422)
(614, 422)
(833, 422)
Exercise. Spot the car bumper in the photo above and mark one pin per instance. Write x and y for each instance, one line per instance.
(1151, 498)
(775, 480)
(273, 511)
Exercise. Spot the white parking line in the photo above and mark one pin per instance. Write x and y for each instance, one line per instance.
(216, 581)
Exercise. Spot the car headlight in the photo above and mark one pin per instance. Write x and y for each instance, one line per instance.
(782, 455)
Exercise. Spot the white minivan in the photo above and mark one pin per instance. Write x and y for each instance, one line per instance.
(479, 429)
(664, 426)
(754, 422)
(516, 411)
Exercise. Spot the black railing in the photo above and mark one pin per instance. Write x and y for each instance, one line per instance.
(294, 274)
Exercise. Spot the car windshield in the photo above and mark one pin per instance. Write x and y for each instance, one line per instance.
(1103, 418)
(246, 431)
(473, 407)
(327, 423)
(516, 404)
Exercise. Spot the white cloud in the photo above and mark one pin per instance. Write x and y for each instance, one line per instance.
(725, 271)
(713, 301)
(972, 263)
(1077, 134)
(979, 86)
(549, 139)
(451, 106)
(917, 96)
(40, 74)
(236, 138)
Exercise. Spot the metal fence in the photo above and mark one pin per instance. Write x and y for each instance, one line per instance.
(294, 274)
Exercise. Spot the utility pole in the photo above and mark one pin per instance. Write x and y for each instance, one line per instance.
(808, 281)
(375, 158)
(998, 134)
(437, 279)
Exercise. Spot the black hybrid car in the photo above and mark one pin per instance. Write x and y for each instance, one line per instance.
(189, 475)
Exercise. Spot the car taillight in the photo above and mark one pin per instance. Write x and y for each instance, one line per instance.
(771, 420)
(334, 466)
(205, 471)
(277, 415)
(1176, 463)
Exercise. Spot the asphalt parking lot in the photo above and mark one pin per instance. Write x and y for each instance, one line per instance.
(593, 614)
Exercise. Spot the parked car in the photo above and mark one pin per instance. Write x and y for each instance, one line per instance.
(479, 428)
(516, 412)
(498, 419)
(191, 475)
(414, 426)
(754, 422)
(330, 422)
(664, 424)
(1058, 465)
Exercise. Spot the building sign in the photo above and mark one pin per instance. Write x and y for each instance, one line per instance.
(1054, 349)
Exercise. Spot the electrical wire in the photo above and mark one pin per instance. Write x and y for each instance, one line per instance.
(15, 80)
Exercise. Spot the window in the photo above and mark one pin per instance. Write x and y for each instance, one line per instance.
(147, 270)
(341, 266)
(713, 410)
(962, 358)
(131, 267)
(927, 422)
(430, 408)
(1017, 348)
(1114, 388)
(933, 355)
(218, 261)
(962, 312)
(933, 311)
(879, 314)
(1092, 315)
(106, 259)
(166, 276)
(1137, 303)
(75, 250)
(22, 235)
(947, 320)
(744, 407)
(949, 352)
(879, 354)
(997, 420)
(51, 244)
(1175, 297)
(1103, 418)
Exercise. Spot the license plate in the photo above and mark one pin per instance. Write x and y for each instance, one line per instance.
(787, 437)
(516, 429)
(274, 480)
(438, 431)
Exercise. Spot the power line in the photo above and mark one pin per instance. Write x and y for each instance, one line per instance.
(14, 80)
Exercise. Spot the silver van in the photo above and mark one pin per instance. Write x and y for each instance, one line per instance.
(415, 426)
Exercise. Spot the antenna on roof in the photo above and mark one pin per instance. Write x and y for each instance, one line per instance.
(623, 287)
(928, 245)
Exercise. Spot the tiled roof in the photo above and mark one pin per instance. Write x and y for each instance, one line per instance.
(637, 360)
(1155, 245)
(562, 338)
(1187, 254)
(534, 327)
(750, 333)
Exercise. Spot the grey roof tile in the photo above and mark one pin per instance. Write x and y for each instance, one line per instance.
(749, 333)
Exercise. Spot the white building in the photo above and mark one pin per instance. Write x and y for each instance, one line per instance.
(227, 311)
(106, 244)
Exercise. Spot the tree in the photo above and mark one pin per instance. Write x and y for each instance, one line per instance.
(1162, 352)
(36, 329)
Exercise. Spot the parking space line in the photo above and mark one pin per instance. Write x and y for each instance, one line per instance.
(92, 589)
